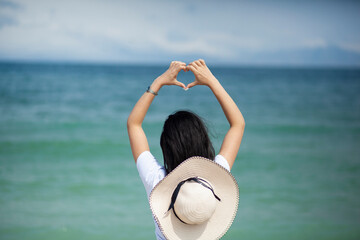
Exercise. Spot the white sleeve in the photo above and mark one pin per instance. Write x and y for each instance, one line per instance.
(222, 161)
(150, 171)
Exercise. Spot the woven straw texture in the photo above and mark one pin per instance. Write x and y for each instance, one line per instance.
(225, 186)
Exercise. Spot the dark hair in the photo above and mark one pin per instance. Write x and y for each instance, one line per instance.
(184, 135)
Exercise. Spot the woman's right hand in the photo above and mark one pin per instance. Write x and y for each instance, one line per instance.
(202, 73)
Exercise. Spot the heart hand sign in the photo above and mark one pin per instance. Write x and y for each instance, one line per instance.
(203, 75)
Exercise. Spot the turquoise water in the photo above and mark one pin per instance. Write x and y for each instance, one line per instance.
(66, 169)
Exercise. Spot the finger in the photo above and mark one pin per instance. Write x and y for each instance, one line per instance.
(193, 64)
(178, 64)
(181, 64)
(191, 68)
(184, 68)
(202, 62)
(178, 67)
(198, 63)
(180, 84)
(174, 63)
(190, 85)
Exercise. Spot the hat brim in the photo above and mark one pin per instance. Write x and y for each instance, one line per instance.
(224, 185)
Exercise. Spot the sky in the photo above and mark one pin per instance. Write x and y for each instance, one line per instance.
(223, 32)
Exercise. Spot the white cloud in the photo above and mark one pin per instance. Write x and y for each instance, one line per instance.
(120, 30)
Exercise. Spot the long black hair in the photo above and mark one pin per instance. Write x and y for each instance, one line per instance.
(184, 135)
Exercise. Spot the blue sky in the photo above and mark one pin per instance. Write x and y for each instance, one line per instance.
(225, 32)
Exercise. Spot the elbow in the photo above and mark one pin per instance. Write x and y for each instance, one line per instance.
(240, 124)
(243, 123)
(131, 122)
(238, 128)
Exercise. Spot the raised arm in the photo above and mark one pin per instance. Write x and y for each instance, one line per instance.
(138, 140)
(232, 140)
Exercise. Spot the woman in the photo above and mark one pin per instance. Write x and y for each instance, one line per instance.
(184, 136)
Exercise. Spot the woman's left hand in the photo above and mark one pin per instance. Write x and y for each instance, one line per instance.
(170, 76)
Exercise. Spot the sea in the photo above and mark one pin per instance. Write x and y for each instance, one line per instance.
(67, 172)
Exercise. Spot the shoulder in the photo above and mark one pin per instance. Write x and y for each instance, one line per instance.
(150, 171)
(219, 159)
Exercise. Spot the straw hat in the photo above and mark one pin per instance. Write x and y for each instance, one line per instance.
(197, 200)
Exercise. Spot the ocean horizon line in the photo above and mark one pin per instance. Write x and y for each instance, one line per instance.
(165, 64)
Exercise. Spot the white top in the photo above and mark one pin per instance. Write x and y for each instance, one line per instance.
(151, 173)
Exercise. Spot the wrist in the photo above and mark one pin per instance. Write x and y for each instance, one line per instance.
(214, 83)
(156, 85)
